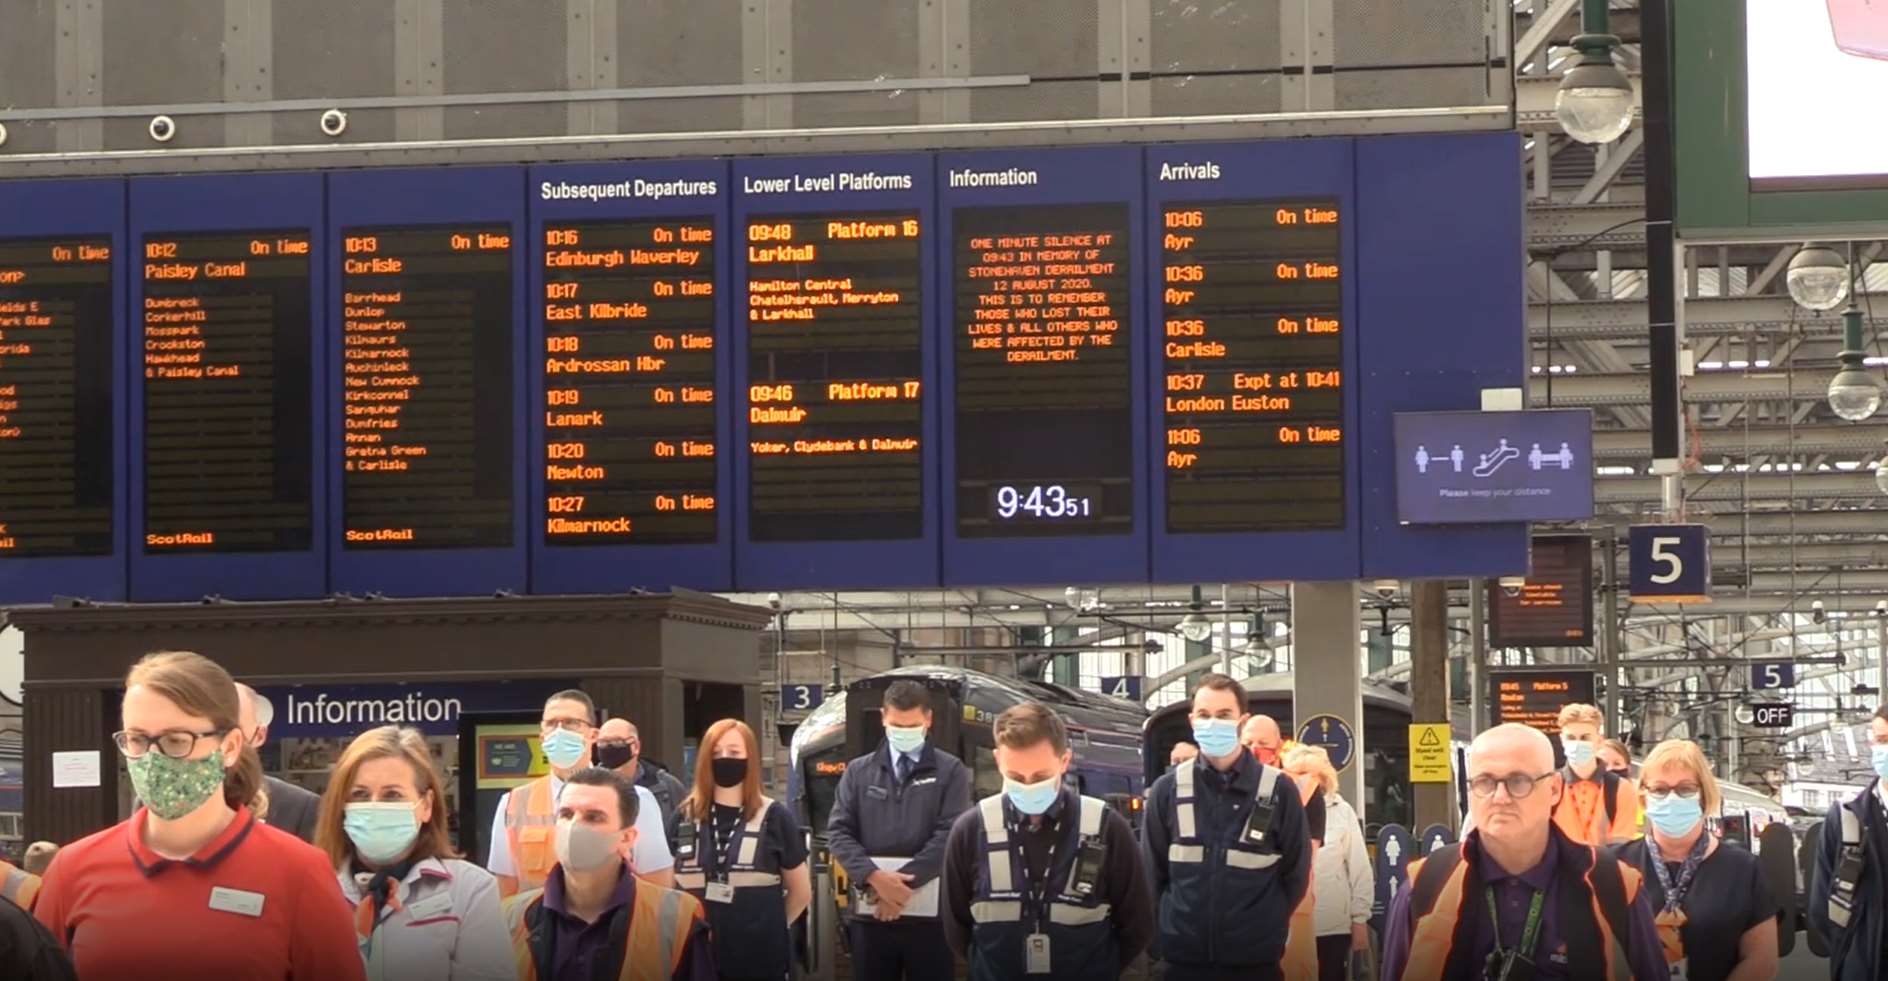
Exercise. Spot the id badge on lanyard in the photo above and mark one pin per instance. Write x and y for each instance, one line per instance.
(719, 892)
(1036, 953)
(1678, 971)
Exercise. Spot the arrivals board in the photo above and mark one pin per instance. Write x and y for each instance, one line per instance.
(1553, 607)
(1016, 367)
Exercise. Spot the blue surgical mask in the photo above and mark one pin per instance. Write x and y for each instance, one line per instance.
(1578, 753)
(1217, 738)
(1878, 755)
(1672, 815)
(905, 739)
(1033, 798)
(382, 832)
(563, 748)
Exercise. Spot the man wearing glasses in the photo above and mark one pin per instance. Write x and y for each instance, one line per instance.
(1517, 900)
(524, 828)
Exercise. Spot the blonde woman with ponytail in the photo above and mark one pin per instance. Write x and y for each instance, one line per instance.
(193, 885)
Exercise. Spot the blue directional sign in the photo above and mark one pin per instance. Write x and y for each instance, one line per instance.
(1437, 836)
(1488, 467)
(1395, 849)
(1335, 735)
(1772, 675)
(1670, 564)
(801, 698)
(1126, 686)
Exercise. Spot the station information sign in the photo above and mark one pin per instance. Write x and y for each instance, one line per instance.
(56, 346)
(835, 340)
(1534, 698)
(1044, 370)
(225, 325)
(426, 386)
(1554, 606)
(1252, 304)
(630, 382)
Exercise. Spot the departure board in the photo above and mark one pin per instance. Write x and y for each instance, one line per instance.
(835, 339)
(1044, 370)
(1554, 605)
(227, 385)
(629, 382)
(426, 386)
(55, 397)
(1253, 349)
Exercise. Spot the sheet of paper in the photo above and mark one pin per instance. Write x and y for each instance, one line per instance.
(77, 768)
(923, 900)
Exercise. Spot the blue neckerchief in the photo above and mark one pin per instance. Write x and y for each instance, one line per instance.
(1675, 894)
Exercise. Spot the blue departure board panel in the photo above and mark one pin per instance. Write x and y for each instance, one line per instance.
(62, 441)
(426, 360)
(1045, 433)
(226, 420)
(629, 459)
(1252, 258)
(835, 356)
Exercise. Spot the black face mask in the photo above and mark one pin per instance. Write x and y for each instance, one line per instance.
(728, 771)
(613, 755)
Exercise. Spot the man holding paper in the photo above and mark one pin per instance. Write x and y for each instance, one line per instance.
(890, 820)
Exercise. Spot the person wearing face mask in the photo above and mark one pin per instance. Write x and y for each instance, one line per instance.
(1613, 756)
(1848, 890)
(521, 854)
(1042, 881)
(1229, 850)
(192, 886)
(419, 910)
(1260, 735)
(593, 920)
(619, 748)
(891, 817)
(1516, 898)
(1598, 807)
(743, 854)
(1715, 914)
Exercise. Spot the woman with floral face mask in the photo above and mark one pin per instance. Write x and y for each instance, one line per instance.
(193, 885)
(1715, 914)
(419, 910)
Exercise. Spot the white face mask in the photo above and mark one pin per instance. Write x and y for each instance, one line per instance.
(582, 848)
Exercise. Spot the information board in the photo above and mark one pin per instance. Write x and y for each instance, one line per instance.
(1485, 467)
(834, 363)
(1044, 426)
(56, 470)
(629, 443)
(1554, 605)
(1534, 698)
(228, 419)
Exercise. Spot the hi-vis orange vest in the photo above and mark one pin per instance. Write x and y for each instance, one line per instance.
(19, 886)
(530, 829)
(1438, 901)
(660, 922)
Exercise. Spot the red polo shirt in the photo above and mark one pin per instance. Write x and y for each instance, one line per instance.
(255, 904)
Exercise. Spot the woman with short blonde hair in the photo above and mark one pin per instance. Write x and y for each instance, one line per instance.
(419, 910)
(1715, 914)
(1343, 889)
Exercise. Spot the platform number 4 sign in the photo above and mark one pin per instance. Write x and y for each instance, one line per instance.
(1128, 687)
(1671, 564)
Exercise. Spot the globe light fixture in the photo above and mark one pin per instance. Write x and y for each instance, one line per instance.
(1881, 483)
(1818, 279)
(1854, 394)
(1594, 103)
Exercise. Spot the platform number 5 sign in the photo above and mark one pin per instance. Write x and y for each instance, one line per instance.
(1670, 564)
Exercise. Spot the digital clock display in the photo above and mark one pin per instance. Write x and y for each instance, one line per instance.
(1044, 502)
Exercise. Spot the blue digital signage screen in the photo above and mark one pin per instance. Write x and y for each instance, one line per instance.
(226, 422)
(629, 460)
(834, 364)
(1489, 467)
(1045, 434)
(62, 446)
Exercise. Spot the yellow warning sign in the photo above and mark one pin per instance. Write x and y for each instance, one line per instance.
(1429, 755)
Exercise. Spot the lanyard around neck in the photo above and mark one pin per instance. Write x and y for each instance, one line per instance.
(1675, 893)
(1530, 934)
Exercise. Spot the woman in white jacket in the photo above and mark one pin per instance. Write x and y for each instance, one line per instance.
(420, 911)
(1342, 884)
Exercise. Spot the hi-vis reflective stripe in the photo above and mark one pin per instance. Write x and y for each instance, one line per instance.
(1268, 782)
(748, 880)
(1183, 799)
(1065, 914)
(751, 840)
(997, 833)
(1250, 860)
(1186, 853)
(1092, 810)
(996, 911)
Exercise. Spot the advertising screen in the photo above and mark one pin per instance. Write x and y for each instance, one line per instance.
(1809, 63)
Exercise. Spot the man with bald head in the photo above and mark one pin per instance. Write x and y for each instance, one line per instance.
(1260, 735)
(1518, 899)
(291, 808)
(619, 748)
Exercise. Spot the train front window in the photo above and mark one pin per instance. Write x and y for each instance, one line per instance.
(985, 779)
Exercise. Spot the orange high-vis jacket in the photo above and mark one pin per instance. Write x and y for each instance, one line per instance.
(1584, 816)
(530, 827)
(660, 922)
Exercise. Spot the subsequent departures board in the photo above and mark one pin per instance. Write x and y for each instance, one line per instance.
(629, 448)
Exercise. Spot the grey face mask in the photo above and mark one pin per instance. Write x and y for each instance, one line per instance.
(582, 848)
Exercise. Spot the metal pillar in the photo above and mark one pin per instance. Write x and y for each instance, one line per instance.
(1429, 688)
(1327, 676)
(1609, 646)
(1662, 303)
(1478, 654)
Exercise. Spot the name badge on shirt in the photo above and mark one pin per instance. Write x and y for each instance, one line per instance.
(719, 892)
(1678, 970)
(431, 907)
(878, 793)
(1036, 953)
(923, 781)
(226, 900)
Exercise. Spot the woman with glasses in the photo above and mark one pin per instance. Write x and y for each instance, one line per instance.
(419, 910)
(743, 855)
(193, 885)
(1715, 914)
